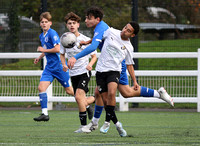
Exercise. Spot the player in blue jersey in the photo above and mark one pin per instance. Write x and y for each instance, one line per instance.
(50, 47)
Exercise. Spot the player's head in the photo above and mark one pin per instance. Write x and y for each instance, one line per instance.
(72, 22)
(94, 15)
(45, 21)
(130, 30)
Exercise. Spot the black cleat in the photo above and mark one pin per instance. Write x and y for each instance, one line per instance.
(90, 112)
(42, 117)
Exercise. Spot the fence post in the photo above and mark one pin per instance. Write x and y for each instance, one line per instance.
(123, 106)
(49, 89)
(198, 83)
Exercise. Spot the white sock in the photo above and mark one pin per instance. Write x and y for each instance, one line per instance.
(117, 124)
(156, 94)
(45, 111)
(95, 121)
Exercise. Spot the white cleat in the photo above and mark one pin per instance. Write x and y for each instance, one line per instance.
(165, 96)
(104, 129)
(81, 131)
(121, 131)
(89, 128)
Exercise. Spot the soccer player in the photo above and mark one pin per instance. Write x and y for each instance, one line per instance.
(116, 42)
(50, 47)
(81, 72)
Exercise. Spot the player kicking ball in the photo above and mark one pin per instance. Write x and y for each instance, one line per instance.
(81, 72)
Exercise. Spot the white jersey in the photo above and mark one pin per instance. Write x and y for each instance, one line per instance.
(81, 64)
(114, 51)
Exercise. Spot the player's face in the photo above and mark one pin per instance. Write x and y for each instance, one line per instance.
(72, 26)
(91, 21)
(127, 32)
(45, 24)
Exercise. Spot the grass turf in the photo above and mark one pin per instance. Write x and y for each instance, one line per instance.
(144, 128)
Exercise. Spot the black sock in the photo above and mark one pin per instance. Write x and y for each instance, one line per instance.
(110, 114)
(83, 118)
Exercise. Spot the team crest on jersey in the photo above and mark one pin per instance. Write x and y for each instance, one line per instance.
(46, 39)
(55, 38)
(123, 48)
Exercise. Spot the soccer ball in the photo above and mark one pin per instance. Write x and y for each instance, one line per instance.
(68, 40)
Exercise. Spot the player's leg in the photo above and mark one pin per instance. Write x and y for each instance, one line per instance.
(111, 103)
(45, 81)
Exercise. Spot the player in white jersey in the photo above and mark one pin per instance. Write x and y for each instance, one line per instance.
(81, 72)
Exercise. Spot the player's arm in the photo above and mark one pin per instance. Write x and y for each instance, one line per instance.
(85, 42)
(131, 71)
(92, 62)
(63, 61)
(55, 49)
(36, 60)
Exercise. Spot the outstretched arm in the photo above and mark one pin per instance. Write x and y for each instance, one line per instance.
(83, 53)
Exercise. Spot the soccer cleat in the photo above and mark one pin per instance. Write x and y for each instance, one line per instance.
(42, 117)
(165, 96)
(90, 127)
(121, 131)
(104, 129)
(79, 130)
(90, 112)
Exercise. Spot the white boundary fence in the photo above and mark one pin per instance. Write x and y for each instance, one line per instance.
(123, 103)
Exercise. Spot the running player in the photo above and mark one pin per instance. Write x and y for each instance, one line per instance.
(50, 47)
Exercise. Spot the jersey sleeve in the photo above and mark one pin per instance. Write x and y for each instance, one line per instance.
(55, 38)
(92, 47)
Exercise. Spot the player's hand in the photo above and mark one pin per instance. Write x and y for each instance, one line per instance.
(40, 49)
(36, 60)
(82, 43)
(65, 68)
(89, 67)
(71, 62)
(136, 86)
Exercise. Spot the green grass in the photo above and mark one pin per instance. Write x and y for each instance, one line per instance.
(143, 128)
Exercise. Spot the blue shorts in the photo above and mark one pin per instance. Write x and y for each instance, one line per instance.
(60, 75)
(123, 76)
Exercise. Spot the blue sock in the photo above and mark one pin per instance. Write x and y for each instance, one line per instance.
(146, 92)
(98, 111)
(43, 99)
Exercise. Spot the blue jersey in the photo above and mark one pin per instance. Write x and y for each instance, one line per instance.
(96, 41)
(48, 41)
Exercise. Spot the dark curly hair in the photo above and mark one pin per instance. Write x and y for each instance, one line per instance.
(95, 11)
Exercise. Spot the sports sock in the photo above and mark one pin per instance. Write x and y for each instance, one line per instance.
(43, 102)
(146, 92)
(110, 114)
(97, 111)
(83, 118)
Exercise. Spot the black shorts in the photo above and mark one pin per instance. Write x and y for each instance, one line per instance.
(81, 81)
(102, 79)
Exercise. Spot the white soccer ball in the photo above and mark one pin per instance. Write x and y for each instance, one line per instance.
(68, 40)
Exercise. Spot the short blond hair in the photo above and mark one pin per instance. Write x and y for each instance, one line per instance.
(46, 15)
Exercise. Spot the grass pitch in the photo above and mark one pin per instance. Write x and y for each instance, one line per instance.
(144, 128)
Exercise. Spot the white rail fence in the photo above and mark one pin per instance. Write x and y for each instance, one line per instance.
(193, 75)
